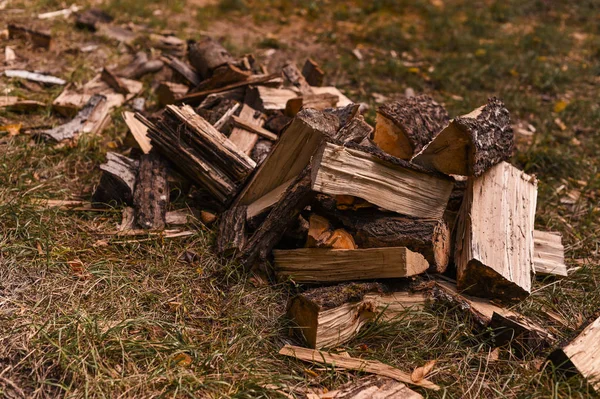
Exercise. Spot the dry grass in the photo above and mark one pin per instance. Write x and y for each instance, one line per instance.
(142, 322)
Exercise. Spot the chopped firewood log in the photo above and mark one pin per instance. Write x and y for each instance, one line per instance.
(291, 154)
(375, 229)
(404, 127)
(91, 119)
(194, 98)
(269, 98)
(261, 149)
(581, 355)
(494, 242)
(314, 101)
(372, 388)
(36, 37)
(184, 70)
(277, 122)
(140, 66)
(334, 91)
(200, 151)
(91, 19)
(243, 138)
(472, 143)
(322, 235)
(295, 197)
(548, 254)
(345, 114)
(356, 130)
(510, 325)
(219, 112)
(253, 128)
(117, 33)
(35, 77)
(151, 194)
(313, 73)
(72, 99)
(320, 265)
(168, 44)
(138, 130)
(232, 231)
(295, 77)
(236, 94)
(265, 203)
(350, 363)
(223, 76)
(224, 120)
(15, 104)
(207, 55)
(326, 317)
(114, 82)
(388, 182)
(118, 180)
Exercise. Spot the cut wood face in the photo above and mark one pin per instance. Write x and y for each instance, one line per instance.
(494, 251)
(391, 139)
(549, 254)
(338, 170)
(318, 265)
(449, 152)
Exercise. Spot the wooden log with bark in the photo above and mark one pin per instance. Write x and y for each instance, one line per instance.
(494, 243)
(356, 130)
(269, 98)
(581, 355)
(206, 55)
(322, 235)
(117, 183)
(388, 182)
(295, 77)
(36, 37)
(313, 74)
(244, 139)
(231, 237)
(319, 102)
(185, 71)
(373, 387)
(90, 119)
(326, 317)
(548, 254)
(151, 195)
(222, 76)
(472, 143)
(169, 92)
(114, 82)
(404, 127)
(320, 265)
(92, 18)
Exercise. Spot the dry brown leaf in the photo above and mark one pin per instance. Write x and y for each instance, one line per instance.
(182, 360)
(79, 269)
(420, 373)
(13, 129)
(493, 355)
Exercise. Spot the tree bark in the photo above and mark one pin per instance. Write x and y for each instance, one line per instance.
(151, 196)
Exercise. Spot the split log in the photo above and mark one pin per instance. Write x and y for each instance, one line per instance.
(117, 33)
(334, 91)
(182, 69)
(291, 154)
(356, 130)
(313, 73)
(315, 101)
(140, 66)
(114, 82)
(372, 388)
(151, 195)
(90, 119)
(224, 120)
(376, 229)
(294, 76)
(36, 37)
(168, 44)
(510, 326)
(472, 143)
(404, 127)
(244, 139)
(326, 317)
(261, 149)
(232, 231)
(581, 355)
(15, 104)
(350, 363)
(207, 55)
(494, 243)
(200, 151)
(390, 183)
(322, 235)
(253, 128)
(318, 265)
(219, 112)
(223, 76)
(345, 114)
(138, 130)
(277, 122)
(91, 19)
(263, 205)
(269, 98)
(295, 197)
(117, 182)
(548, 254)
(35, 77)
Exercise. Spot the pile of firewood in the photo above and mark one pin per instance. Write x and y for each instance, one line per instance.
(367, 220)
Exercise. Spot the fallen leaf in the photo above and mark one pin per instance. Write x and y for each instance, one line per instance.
(182, 360)
(560, 106)
(311, 373)
(79, 269)
(420, 373)
(12, 129)
(493, 355)
(480, 52)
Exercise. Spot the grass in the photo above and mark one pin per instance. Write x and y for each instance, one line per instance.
(140, 321)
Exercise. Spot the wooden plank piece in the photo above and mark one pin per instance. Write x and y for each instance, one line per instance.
(373, 387)
(313, 74)
(548, 254)
(253, 128)
(244, 139)
(138, 130)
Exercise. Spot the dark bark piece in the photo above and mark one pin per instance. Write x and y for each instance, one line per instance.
(114, 82)
(319, 102)
(294, 76)
(356, 130)
(277, 122)
(472, 143)
(151, 195)
(140, 66)
(232, 231)
(72, 129)
(206, 55)
(223, 76)
(220, 110)
(344, 114)
(183, 70)
(36, 37)
(404, 127)
(89, 19)
(118, 180)
(285, 212)
(168, 44)
(169, 92)
(261, 150)
(313, 73)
